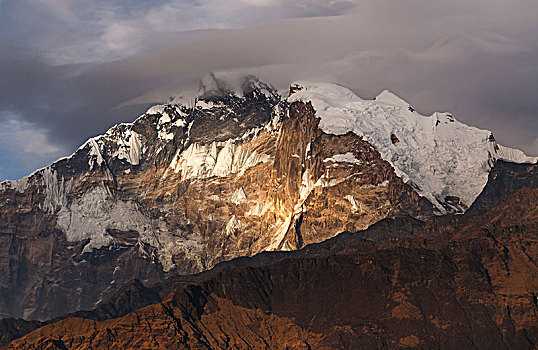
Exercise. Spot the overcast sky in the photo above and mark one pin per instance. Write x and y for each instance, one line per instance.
(69, 69)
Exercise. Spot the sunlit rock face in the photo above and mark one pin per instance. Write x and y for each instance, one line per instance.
(236, 171)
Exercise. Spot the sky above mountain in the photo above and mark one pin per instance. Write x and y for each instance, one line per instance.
(69, 69)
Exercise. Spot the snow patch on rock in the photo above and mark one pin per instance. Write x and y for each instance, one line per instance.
(96, 211)
(239, 196)
(130, 147)
(343, 158)
(355, 206)
(233, 225)
(216, 159)
(258, 209)
(95, 156)
(20, 185)
(168, 119)
(56, 190)
(157, 109)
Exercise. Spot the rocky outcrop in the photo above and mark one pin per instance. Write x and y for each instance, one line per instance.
(453, 282)
(505, 179)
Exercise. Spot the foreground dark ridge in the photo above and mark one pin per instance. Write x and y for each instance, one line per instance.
(453, 282)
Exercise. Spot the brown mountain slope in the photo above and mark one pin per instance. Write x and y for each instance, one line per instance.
(454, 282)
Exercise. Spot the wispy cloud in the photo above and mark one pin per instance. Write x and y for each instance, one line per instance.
(74, 31)
(477, 59)
(24, 146)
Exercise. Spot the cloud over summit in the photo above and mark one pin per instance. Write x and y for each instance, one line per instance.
(79, 68)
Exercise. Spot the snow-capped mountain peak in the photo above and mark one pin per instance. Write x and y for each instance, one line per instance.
(444, 160)
(232, 172)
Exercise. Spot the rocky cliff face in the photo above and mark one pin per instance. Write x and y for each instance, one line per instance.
(237, 171)
(329, 184)
(467, 281)
(504, 179)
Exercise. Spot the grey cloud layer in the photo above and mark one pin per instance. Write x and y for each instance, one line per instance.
(90, 31)
(477, 59)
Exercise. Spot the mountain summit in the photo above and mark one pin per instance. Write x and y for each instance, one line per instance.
(238, 171)
(439, 156)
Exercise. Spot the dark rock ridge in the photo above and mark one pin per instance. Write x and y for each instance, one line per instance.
(465, 281)
(11, 329)
(504, 179)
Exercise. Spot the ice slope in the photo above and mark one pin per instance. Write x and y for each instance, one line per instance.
(436, 154)
(215, 159)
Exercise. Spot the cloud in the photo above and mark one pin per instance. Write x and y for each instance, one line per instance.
(24, 146)
(75, 31)
(477, 59)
